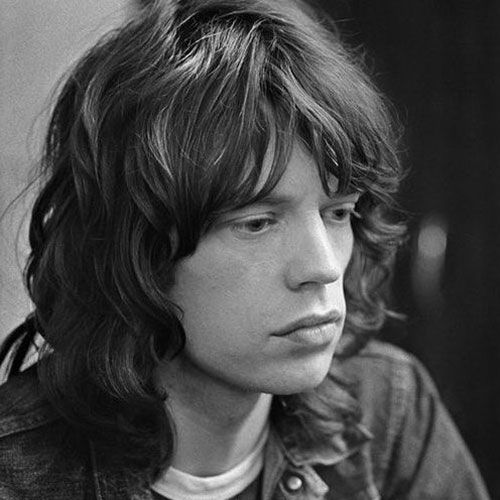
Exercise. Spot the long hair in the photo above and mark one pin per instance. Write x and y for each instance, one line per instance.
(160, 127)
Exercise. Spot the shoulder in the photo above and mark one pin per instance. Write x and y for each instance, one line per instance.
(387, 381)
(36, 459)
(381, 369)
(22, 404)
(381, 355)
(416, 449)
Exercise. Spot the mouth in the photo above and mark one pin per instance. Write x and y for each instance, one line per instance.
(312, 323)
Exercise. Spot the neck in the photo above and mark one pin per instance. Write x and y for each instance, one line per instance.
(216, 425)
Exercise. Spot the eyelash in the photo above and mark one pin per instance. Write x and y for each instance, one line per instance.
(242, 226)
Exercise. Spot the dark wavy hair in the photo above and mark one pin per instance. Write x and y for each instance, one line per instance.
(160, 127)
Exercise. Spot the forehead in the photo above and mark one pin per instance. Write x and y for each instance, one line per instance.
(300, 174)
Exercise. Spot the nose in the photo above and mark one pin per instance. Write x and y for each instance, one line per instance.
(314, 258)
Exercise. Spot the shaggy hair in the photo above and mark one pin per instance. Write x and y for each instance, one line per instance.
(159, 128)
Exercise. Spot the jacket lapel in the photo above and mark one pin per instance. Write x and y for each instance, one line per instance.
(342, 471)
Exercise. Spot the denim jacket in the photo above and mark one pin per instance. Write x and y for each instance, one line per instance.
(407, 446)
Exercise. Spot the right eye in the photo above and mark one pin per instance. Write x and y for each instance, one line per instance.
(253, 225)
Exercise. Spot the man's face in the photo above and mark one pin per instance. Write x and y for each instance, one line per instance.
(258, 272)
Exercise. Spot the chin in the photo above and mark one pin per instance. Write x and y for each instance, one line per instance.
(300, 377)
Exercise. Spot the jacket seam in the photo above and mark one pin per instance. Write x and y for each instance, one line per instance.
(398, 413)
(95, 474)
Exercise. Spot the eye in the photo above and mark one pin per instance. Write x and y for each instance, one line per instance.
(253, 226)
(342, 213)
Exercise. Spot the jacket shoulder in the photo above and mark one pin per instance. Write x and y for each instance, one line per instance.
(379, 351)
(416, 450)
(387, 381)
(384, 371)
(23, 405)
(38, 458)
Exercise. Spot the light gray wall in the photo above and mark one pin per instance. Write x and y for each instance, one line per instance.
(39, 39)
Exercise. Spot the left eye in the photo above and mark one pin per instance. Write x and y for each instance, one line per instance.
(341, 214)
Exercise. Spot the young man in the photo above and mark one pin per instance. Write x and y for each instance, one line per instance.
(212, 229)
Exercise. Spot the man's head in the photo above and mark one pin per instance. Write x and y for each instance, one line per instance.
(168, 141)
(262, 295)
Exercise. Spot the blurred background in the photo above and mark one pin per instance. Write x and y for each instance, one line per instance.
(439, 63)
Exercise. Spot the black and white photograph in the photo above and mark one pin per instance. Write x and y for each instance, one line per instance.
(249, 250)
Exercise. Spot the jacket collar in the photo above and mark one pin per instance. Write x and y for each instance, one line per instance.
(349, 473)
(338, 448)
(349, 476)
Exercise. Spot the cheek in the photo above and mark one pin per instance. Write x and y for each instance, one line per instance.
(343, 242)
(211, 286)
(223, 303)
(349, 248)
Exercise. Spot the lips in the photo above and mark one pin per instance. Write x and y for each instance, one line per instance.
(310, 322)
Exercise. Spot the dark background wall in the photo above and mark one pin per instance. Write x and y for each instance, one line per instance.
(439, 62)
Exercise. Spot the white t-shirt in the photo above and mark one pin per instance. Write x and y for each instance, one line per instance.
(177, 485)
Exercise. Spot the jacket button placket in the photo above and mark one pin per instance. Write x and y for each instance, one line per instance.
(294, 487)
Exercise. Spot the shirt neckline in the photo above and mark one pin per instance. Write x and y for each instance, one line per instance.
(178, 485)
